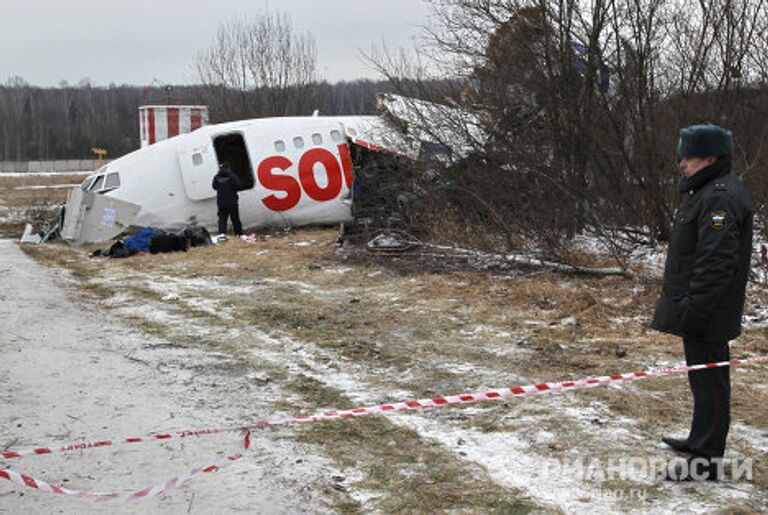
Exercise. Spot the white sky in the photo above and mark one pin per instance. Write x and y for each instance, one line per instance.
(134, 42)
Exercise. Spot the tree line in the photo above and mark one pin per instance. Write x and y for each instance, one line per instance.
(65, 122)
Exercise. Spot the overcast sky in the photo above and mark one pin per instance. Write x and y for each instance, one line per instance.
(134, 42)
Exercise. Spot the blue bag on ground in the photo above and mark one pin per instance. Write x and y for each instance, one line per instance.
(141, 240)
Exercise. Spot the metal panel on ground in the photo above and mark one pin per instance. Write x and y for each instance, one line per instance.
(92, 217)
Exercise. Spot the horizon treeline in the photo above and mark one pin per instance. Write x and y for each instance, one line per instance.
(65, 122)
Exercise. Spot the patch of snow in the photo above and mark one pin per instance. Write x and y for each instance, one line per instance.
(511, 463)
(457, 368)
(535, 322)
(117, 299)
(303, 287)
(757, 319)
(508, 460)
(150, 312)
(756, 438)
(339, 270)
(653, 258)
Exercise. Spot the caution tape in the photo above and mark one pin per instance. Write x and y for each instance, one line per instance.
(165, 487)
(153, 491)
(409, 405)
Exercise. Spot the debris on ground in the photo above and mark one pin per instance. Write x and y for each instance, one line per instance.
(29, 237)
(389, 242)
(150, 240)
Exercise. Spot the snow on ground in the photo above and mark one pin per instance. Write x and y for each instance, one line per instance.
(508, 458)
(512, 458)
(270, 351)
(77, 372)
(758, 319)
(754, 437)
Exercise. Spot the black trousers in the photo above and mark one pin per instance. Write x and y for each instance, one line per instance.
(230, 212)
(711, 390)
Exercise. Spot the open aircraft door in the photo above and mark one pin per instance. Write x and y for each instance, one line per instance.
(198, 164)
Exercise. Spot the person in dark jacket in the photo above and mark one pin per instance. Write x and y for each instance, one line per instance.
(702, 298)
(226, 184)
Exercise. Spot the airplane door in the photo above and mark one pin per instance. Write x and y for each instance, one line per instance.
(198, 164)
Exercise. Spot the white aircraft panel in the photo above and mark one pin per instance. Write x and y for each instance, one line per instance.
(198, 164)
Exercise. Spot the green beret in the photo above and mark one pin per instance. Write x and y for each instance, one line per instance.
(705, 140)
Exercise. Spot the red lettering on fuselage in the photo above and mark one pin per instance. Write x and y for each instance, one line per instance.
(336, 174)
(284, 183)
(332, 172)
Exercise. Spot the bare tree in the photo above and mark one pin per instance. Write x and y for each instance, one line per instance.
(269, 67)
(581, 101)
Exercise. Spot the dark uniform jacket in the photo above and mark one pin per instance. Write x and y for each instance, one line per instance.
(708, 258)
(226, 185)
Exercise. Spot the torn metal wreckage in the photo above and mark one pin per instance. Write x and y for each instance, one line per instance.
(293, 171)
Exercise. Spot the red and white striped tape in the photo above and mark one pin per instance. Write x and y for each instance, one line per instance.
(153, 491)
(434, 402)
(503, 393)
(224, 460)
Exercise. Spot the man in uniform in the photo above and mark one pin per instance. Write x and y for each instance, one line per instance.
(226, 184)
(705, 277)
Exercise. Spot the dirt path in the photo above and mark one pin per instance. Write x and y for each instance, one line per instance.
(69, 371)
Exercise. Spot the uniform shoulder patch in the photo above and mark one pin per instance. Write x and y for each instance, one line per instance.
(718, 219)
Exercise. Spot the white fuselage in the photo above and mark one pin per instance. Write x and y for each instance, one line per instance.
(298, 171)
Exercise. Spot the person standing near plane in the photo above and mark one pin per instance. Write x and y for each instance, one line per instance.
(705, 277)
(226, 184)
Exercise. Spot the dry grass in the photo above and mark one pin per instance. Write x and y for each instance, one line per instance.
(422, 476)
(11, 182)
(21, 206)
(402, 324)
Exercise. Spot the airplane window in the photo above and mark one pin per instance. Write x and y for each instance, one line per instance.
(336, 135)
(317, 139)
(112, 182)
(280, 145)
(298, 142)
(97, 183)
(197, 159)
(352, 131)
(87, 182)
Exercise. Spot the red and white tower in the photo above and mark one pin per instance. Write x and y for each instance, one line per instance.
(157, 123)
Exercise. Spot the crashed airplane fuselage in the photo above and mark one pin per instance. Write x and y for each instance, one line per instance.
(294, 171)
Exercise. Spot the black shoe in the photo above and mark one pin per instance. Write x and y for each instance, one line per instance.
(694, 469)
(679, 445)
